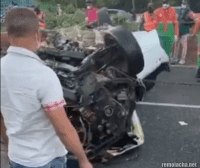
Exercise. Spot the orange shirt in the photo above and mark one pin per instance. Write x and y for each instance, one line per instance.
(149, 22)
(42, 17)
(166, 16)
(196, 27)
(42, 25)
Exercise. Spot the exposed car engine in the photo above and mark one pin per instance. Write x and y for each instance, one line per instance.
(101, 89)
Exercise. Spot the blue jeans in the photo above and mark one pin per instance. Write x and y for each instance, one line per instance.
(59, 162)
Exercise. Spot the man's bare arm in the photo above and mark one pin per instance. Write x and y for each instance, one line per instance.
(68, 135)
(4, 137)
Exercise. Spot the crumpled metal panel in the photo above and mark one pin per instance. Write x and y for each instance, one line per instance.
(129, 45)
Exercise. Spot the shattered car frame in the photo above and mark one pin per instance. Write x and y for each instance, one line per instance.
(102, 90)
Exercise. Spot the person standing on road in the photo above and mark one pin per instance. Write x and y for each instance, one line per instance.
(186, 17)
(59, 10)
(32, 102)
(167, 26)
(148, 19)
(91, 12)
(41, 16)
(196, 33)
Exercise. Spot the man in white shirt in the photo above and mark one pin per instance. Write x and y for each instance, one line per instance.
(38, 128)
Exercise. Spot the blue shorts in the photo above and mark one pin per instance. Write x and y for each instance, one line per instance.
(59, 162)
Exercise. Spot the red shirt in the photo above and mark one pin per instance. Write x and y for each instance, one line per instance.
(92, 15)
(166, 16)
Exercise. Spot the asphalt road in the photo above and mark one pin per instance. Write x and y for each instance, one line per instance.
(175, 99)
(166, 140)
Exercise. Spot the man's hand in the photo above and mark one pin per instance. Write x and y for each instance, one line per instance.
(86, 165)
(68, 135)
(4, 137)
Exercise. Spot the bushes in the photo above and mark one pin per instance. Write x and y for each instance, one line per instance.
(69, 9)
(70, 15)
(48, 5)
(51, 20)
(123, 21)
(79, 16)
(120, 20)
(66, 20)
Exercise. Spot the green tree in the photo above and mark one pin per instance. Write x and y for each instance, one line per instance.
(69, 9)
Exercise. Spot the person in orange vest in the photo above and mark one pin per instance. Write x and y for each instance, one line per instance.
(148, 19)
(41, 16)
(168, 26)
(196, 33)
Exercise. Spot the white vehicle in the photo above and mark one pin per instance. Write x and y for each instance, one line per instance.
(102, 89)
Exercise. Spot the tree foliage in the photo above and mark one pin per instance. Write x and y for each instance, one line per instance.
(73, 13)
(140, 5)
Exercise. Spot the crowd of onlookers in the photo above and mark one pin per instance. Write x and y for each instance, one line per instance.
(172, 25)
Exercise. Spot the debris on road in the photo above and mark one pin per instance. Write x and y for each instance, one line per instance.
(183, 123)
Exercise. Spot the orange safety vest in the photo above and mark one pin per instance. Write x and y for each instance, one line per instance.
(42, 25)
(41, 16)
(196, 27)
(149, 22)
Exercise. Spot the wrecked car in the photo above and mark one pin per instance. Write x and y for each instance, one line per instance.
(101, 87)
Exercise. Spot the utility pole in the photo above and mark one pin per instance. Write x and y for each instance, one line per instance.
(133, 3)
(133, 11)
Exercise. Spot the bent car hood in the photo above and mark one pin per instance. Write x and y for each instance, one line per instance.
(154, 55)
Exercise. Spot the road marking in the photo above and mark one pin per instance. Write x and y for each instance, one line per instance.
(168, 105)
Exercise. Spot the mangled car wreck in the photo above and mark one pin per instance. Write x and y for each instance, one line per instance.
(101, 87)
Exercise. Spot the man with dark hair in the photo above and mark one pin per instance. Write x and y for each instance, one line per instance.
(41, 16)
(32, 102)
(168, 28)
(91, 12)
(186, 17)
(148, 19)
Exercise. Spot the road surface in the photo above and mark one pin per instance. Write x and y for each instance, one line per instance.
(166, 140)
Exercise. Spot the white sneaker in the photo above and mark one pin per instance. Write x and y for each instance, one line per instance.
(174, 60)
(181, 62)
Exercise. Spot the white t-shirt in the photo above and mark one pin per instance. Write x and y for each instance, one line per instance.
(27, 86)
